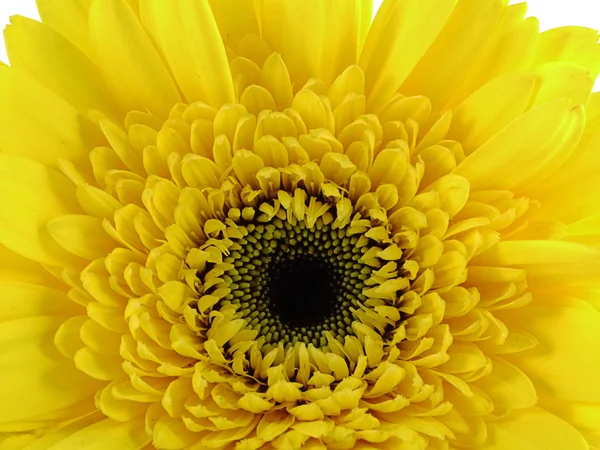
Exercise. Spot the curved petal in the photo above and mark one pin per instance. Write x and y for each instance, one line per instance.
(572, 44)
(36, 49)
(16, 441)
(194, 52)
(69, 18)
(560, 149)
(235, 19)
(563, 364)
(399, 37)
(81, 235)
(505, 160)
(562, 80)
(533, 429)
(17, 268)
(490, 108)
(56, 435)
(508, 386)
(530, 253)
(37, 384)
(555, 263)
(584, 416)
(38, 124)
(128, 59)
(510, 50)
(31, 194)
(445, 65)
(314, 41)
(342, 39)
(123, 436)
(585, 231)
(26, 300)
(561, 195)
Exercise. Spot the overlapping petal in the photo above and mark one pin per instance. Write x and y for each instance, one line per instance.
(443, 157)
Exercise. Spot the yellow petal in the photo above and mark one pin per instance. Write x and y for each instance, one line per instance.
(560, 193)
(548, 262)
(310, 411)
(273, 424)
(256, 99)
(194, 52)
(199, 172)
(291, 439)
(450, 58)
(224, 333)
(98, 366)
(14, 267)
(568, 136)
(389, 166)
(82, 235)
(67, 338)
(30, 195)
(489, 109)
(127, 58)
(582, 415)
(508, 386)
(505, 160)
(524, 253)
(272, 152)
(561, 365)
(254, 403)
(26, 300)
(453, 193)
(246, 165)
(295, 29)
(465, 357)
(171, 434)
(573, 44)
(36, 123)
(175, 294)
(69, 18)
(17, 441)
(365, 18)
(276, 79)
(533, 429)
(510, 50)
(392, 376)
(129, 435)
(351, 80)
(337, 167)
(236, 19)
(398, 38)
(52, 437)
(56, 63)
(315, 429)
(562, 80)
(38, 384)
(585, 231)
(516, 341)
(314, 41)
(311, 108)
(342, 39)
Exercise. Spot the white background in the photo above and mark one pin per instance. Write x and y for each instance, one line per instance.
(551, 13)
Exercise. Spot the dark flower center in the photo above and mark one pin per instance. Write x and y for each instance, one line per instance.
(302, 289)
(292, 283)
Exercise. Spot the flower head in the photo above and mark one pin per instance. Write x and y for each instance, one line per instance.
(276, 225)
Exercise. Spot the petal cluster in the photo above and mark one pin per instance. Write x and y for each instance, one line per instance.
(442, 158)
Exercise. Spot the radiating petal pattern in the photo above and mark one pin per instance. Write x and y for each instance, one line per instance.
(273, 224)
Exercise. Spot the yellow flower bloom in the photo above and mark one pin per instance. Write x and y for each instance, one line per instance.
(273, 224)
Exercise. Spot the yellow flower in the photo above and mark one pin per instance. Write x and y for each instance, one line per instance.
(273, 224)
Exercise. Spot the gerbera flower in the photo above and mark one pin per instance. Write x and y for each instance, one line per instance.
(274, 225)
